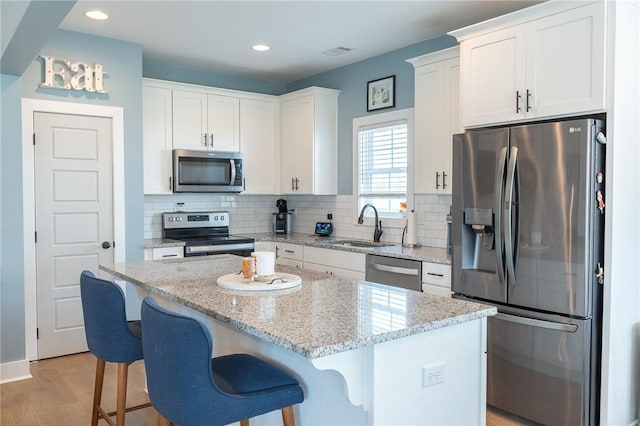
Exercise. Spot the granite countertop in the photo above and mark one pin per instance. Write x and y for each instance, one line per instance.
(162, 242)
(422, 253)
(322, 316)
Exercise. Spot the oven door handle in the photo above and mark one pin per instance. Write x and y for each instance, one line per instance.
(218, 248)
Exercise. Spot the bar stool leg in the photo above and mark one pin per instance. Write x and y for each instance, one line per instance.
(121, 403)
(244, 422)
(162, 421)
(97, 391)
(287, 416)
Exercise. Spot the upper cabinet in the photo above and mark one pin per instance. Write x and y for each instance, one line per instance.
(157, 125)
(259, 136)
(437, 118)
(288, 142)
(539, 63)
(206, 121)
(309, 123)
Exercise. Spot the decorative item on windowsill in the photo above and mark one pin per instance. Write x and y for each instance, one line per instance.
(409, 236)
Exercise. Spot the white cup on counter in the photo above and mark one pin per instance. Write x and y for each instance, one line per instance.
(263, 263)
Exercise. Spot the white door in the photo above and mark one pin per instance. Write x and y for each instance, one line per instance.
(74, 221)
(223, 117)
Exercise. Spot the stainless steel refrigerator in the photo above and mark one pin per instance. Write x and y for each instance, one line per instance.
(528, 229)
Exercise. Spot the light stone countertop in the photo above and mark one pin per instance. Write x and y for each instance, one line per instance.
(422, 253)
(322, 316)
(162, 242)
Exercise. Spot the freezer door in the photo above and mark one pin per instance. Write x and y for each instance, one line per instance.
(553, 217)
(538, 367)
(479, 167)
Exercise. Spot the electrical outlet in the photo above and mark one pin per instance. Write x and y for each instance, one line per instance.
(432, 375)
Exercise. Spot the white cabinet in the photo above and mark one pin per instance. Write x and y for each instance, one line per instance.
(156, 139)
(163, 253)
(436, 279)
(289, 254)
(437, 118)
(309, 141)
(343, 264)
(259, 137)
(534, 66)
(206, 121)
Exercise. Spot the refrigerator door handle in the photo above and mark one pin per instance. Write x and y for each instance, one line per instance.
(499, 195)
(569, 328)
(508, 222)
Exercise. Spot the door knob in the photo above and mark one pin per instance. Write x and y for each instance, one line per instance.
(106, 245)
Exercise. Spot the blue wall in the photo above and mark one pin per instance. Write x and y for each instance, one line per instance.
(12, 343)
(352, 81)
(175, 72)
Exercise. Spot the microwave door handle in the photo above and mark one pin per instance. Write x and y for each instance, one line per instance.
(499, 195)
(233, 171)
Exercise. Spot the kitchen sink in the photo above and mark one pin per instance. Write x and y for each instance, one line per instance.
(358, 243)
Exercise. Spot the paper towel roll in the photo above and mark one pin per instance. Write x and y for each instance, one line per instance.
(411, 237)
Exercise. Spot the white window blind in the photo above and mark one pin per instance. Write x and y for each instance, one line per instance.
(382, 167)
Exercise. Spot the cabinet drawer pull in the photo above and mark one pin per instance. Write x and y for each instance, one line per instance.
(289, 251)
(435, 275)
(169, 255)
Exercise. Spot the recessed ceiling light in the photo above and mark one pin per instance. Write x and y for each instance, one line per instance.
(97, 15)
(260, 47)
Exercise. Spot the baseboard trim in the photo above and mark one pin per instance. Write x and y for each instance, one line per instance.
(14, 371)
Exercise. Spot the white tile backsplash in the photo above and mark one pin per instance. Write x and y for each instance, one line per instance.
(254, 214)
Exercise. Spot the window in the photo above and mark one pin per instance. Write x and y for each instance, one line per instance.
(382, 162)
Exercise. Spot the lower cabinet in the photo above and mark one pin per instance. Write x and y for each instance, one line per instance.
(436, 279)
(343, 264)
(288, 254)
(163, 253)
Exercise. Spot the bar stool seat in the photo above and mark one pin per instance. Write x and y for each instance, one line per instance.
(189, 388)
(111, 338)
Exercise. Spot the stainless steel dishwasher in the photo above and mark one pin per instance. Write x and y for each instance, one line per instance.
(402, 273)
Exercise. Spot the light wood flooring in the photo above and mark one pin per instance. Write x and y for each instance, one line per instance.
(61, 391)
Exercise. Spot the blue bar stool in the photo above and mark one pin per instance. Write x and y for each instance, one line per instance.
(189, 388)
(110, 338)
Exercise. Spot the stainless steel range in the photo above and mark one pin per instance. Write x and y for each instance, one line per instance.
(204, 233)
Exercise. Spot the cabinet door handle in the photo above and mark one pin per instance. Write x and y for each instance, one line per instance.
(518, 102)
(528, 98)
(297, 187)
(437, 180)
(170, 183)
(206, 144)
(211, 136)
(292, 187)
(444, 182)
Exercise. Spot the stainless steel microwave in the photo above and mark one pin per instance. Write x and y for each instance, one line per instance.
(207, 171)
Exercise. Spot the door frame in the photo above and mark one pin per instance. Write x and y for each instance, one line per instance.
(29, 107)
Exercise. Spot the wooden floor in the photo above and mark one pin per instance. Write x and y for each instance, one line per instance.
(61, 391)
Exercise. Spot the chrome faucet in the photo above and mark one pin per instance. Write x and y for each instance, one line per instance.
(377, 232)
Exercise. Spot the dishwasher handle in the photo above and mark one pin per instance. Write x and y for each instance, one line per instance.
(395, 269)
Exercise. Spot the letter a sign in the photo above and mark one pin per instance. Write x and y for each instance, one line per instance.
(64, 74)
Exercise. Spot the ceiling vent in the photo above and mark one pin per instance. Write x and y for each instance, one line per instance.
(337, 51)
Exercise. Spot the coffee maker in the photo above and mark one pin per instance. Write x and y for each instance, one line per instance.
(282, 220)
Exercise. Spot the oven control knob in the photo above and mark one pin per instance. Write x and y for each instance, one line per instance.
(215, 218)
(221, 217)
(170, 219)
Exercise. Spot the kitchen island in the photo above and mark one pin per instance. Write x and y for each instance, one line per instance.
(363, 352)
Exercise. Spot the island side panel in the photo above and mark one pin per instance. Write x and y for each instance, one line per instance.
(399, 396)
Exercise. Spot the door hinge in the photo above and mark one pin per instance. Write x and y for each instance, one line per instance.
(114, 244)
(37, 333)
(34, 139)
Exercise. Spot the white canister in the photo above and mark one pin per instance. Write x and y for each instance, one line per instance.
(263, 263)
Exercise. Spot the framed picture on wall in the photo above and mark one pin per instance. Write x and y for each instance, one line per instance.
(381, 93)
